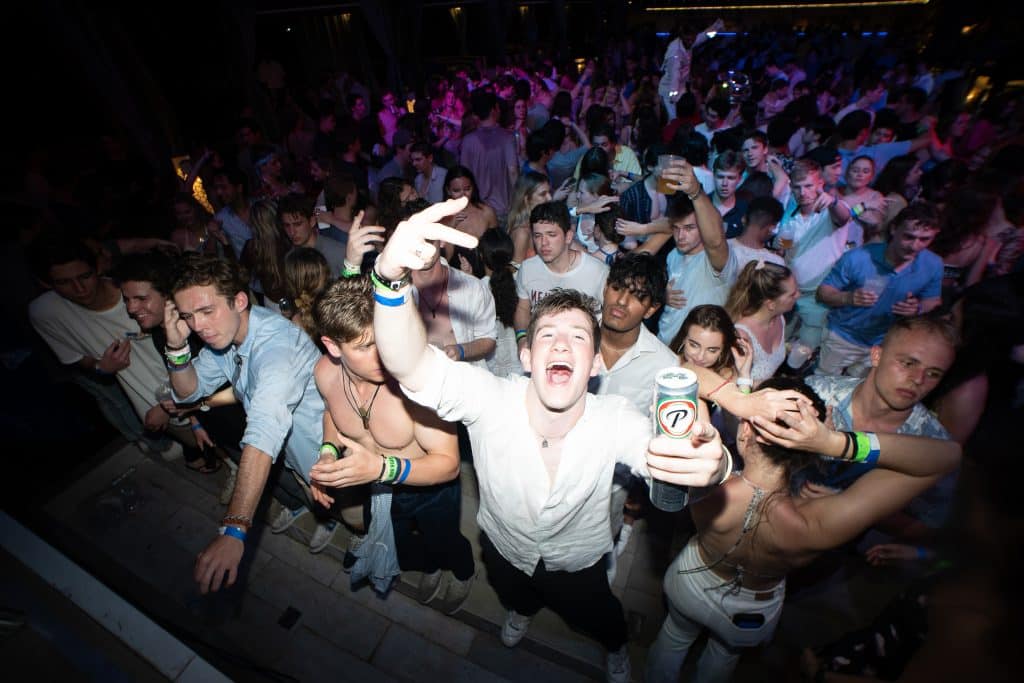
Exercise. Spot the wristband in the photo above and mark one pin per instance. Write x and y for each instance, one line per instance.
(177, 368)
(520, 334)
(390, 301)
(868, 448)
(744, 382)
(383, 466)
(176, 350)
(392, 468)
(857, 210)
(693, 197)
(406, 468)
(197, 426)
(573, 212)
(350, 270)
(100, 371)
(328, 447)
(233, 532)
(462, 351)
(388, 286)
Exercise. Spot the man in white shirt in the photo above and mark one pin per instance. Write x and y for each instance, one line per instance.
(630, 358)
(819, 230)
(429, 181)
(84, 321)
(701, 267)
(759, 223)
(544, 450)
(555, 266)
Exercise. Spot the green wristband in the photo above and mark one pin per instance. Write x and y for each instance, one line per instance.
(328, 447)
(391, 469)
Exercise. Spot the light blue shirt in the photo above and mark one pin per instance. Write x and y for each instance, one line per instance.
(931, 507)
(701, 284)
(237, 230)
(271, 373)
(867, 325)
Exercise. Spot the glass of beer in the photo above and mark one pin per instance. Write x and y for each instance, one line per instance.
(786, 238)
(664, 161)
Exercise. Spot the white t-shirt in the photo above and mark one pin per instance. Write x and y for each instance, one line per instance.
(534, 279)
(817, 245)
(526, 517)
(700, 283)
(745, 255)
(74, 332)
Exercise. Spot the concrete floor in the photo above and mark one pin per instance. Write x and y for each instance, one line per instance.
(141, 538)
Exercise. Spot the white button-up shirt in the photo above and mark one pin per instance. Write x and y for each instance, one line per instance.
(632, 376)
(525, 515)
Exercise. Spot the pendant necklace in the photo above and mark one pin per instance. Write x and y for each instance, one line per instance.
(440, 298)
(362, 412)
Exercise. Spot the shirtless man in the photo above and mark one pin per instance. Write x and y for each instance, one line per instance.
(368, 420)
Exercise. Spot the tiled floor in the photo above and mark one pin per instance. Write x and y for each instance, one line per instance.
(341, 634)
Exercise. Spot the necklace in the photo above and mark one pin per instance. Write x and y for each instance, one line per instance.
(364, 411)
(544, 439)
(440, 297)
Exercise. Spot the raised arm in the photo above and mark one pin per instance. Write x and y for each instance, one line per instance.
(906, 467)
(398, 329)
(709, 221)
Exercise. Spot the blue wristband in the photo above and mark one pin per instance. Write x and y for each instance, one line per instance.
(233, 532)
(462, 352)
(406, 468)
(197, 426)
(388, 300)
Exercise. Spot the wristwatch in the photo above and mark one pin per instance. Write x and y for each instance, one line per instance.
(204, 407)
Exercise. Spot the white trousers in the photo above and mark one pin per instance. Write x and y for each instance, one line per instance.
(699, 601)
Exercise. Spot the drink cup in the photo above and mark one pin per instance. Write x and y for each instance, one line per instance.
(876, 284)
(786, 239)
(664, 161)
(798, 355)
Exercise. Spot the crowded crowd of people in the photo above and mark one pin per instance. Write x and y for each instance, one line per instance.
(824, 229)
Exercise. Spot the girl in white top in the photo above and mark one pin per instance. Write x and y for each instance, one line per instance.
(764, 292)
(495, 250)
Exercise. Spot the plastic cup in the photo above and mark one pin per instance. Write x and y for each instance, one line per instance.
(786, 239)
(798, 355)
(876, 284)
(664, 161)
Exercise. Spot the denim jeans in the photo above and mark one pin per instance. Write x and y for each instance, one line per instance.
(118, 411)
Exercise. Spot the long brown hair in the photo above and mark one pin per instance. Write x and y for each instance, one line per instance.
(713, 318)
(759, 281)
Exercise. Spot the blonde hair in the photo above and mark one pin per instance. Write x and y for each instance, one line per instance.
(519, 205)
(758, 282)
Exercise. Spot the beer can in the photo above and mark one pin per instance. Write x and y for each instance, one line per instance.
(675, 412)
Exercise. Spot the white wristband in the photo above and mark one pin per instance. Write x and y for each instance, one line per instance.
(744, 382)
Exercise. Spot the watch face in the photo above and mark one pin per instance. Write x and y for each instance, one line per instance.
(204, 408)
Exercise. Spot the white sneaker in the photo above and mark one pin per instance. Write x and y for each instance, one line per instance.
(286, 518)
(430, 586)
(322, 535)
(456, 594)
(170, 454)
(619, 668)
(514, 629)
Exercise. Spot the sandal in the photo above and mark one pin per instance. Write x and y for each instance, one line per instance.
(202, 467)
